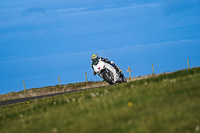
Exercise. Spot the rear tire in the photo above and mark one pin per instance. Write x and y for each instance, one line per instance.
(124, 79)
(107, 76)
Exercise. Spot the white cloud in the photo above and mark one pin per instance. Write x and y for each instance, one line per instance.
(33, 11)
(72, 9)
(108, 9)
(20, 16)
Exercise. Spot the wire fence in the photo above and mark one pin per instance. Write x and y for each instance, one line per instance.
(137, 70)
(164, 67)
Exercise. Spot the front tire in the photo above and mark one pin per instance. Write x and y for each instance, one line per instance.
(108, 77)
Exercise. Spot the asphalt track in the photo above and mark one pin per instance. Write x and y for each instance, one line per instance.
(3, 103)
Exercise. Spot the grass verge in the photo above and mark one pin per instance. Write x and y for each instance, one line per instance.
(50, 90)
(167, 103)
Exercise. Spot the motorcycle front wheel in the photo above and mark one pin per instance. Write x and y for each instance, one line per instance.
(107, 75)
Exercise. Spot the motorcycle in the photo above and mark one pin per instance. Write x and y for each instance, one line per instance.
(107, 72)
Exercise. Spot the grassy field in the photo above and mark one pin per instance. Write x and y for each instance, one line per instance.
(164, 104)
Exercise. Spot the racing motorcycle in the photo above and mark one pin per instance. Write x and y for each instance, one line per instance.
(107, 72)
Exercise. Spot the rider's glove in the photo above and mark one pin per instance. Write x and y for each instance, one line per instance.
(94, 73)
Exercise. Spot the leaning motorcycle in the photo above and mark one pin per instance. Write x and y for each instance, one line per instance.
(107, 72)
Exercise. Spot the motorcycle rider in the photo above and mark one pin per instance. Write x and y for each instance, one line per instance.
(95, 59)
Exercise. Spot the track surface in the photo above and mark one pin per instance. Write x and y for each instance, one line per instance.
(38, 97)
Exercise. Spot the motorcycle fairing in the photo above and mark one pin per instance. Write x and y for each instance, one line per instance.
(102, 65)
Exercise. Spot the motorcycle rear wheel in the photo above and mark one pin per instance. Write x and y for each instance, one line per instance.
(124, 79)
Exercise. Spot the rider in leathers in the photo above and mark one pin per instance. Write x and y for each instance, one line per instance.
(95, 59)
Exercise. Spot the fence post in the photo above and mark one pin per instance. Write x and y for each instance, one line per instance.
(188, 63)
(86, 76)
(24, 86)
(59, 81)
(153, 69)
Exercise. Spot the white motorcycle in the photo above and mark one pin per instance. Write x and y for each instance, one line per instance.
(107, 72)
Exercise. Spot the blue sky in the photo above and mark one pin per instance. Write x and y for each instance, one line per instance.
(42, 38)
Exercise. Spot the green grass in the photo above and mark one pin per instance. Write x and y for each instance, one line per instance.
(164, 104)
